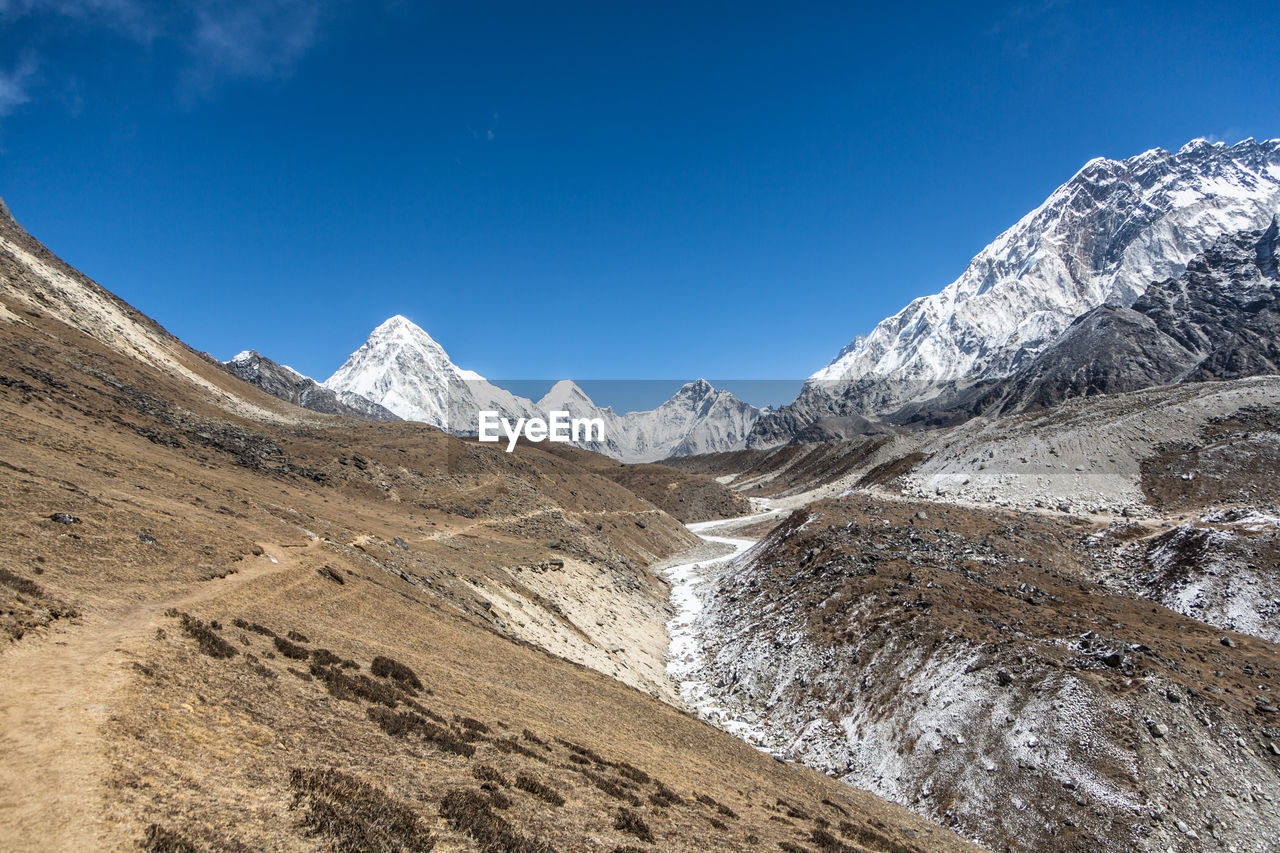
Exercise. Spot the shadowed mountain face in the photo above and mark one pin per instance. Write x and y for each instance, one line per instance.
(1220, 319)
(288, 384)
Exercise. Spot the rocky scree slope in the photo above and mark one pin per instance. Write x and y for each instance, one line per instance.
(1101, 238)
(975, 667)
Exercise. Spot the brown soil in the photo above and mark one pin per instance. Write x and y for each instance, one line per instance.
(135, 709)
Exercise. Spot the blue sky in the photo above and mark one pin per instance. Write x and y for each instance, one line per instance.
(594, 190)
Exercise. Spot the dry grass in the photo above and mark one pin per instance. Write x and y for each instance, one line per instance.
(352, 816)
(245, 512)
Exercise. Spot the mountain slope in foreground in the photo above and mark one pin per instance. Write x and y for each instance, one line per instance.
(1052, 631)
(236, 624)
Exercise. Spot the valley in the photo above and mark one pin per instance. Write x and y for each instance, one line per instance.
(997, 579)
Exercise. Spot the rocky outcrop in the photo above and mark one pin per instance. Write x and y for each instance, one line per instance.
(1219, 319)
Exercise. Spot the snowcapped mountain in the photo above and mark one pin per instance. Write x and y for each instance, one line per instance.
(1219, 319)
(697, 419)
(284, 382)
(402, 368)
(1101, 238)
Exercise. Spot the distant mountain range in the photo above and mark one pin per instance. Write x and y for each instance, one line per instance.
(401, 372)
(1147, 271)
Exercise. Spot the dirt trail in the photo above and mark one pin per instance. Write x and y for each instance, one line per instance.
(55, 693)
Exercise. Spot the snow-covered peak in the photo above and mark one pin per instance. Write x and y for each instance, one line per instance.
(244, 357)
(697, 389)
(399, 325)
(566, 395)
(1104, 236)
(402, 368)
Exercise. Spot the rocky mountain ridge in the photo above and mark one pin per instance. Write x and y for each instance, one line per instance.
(284, 382)
(1101, 239)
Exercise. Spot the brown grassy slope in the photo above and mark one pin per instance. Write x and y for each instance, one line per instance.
(191, 493)
(684, 495)
(788, 469)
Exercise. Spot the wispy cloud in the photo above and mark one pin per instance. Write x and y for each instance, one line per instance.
(1026, 27)
(14, 85)
(259, 39)
(222, 39)
(133, 17)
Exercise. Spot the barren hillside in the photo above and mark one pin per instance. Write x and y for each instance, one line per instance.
(234, 624)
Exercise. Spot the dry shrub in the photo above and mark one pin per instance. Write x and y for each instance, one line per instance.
(20, 584)
(665, 797)
(828, 843)
(352, 687)
(868, 837)
(160, 840)
(472, 813)
(836, 806)
(525, 782)
(629, 821)
(291, 650)
(634, 774)
(720, 807)
(586, 753)
(509, 745)
(385, 667)
(472, 724)
(208, 641)
(609, 786)
(254, 627)
(324, 657)
(406, 723)
(352, 815)
(425, 711)
(497, 798)
(485, 773)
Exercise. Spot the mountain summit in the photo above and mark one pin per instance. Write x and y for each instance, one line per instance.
(402, 368)
(1103, 237)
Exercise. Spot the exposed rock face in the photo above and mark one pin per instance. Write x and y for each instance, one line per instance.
(1100, 239)
(288, 384)
(1219, 319)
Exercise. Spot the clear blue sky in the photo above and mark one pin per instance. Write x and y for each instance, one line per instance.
(593, 189)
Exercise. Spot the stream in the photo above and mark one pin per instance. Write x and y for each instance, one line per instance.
(690, 583)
